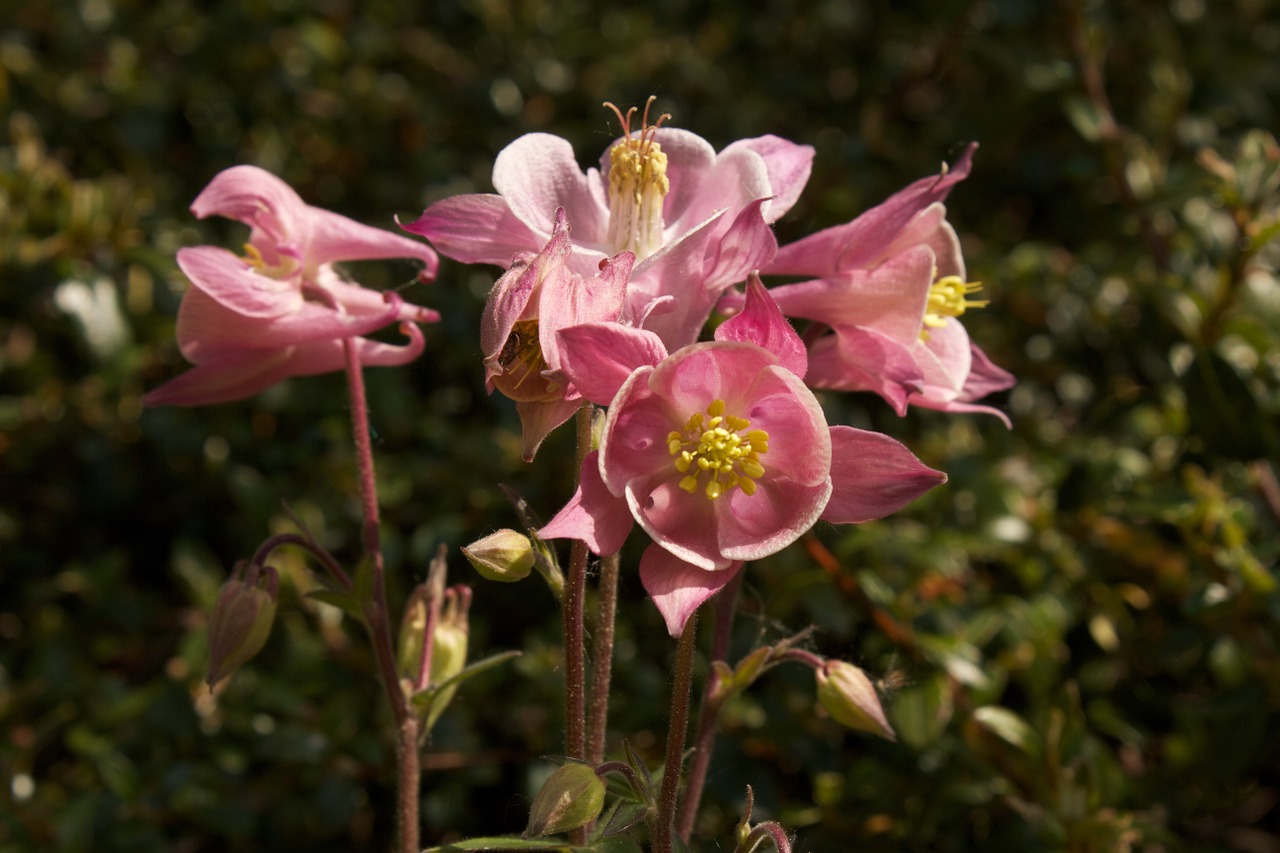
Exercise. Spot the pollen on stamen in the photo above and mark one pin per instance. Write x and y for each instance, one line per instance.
(720, 446)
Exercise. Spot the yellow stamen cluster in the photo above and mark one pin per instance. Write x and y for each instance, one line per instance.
(947, 298)
(522, 364)
(637, 186)
(716, 444)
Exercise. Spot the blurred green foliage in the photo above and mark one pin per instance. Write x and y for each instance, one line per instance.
(1077, 636)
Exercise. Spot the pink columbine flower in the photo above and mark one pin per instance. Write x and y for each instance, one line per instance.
(697, 221)
(532, 301)
(281, 309)
(719, 452)
(892, 288)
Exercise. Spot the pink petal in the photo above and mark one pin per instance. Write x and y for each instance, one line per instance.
(678, 588)
(592, 514)
(684, 524)
(337, 238)
(597, 358)
(857, 359)
(634, 442)
(513, 295)
(538, 173)
(873, 475)
(257, 198)
(890, 299)
(206, 326)
(984, 377)
(761, 323)
(230, 281)
(475, 229)
(777, 401)
(788, 165)
(669, 288)
(570, 300)
(945, 358)
(537, 420)
(860, 243)
(748, 245)
(755, 526)
(237, 374)
(692, 377)
(703, 182)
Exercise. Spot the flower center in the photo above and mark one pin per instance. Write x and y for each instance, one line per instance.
(522, 364)
(720, 447)
(947, 298)
(637, 186)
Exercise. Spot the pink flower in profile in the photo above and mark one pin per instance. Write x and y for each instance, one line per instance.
(892, 290)
(532, 301)
(696, 220)
(719, 452)
(282, 309)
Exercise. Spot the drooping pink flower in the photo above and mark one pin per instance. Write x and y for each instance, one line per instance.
(697, 221)
(281, 310)
(534, 299)
(892, 290)
(719, 452)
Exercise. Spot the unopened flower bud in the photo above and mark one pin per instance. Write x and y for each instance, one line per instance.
(572, 796)
(850, 697)
(449, 646)
(241, 620)
(505, 555)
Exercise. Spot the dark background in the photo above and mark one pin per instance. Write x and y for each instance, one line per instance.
(1077, 636)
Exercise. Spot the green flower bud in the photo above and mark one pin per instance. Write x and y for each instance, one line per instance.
(505, 555)
(449, 647)
(850, 697)
(572, 796)
(241, 620)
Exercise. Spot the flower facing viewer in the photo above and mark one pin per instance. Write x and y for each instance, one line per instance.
(281, 309)
(719, 452)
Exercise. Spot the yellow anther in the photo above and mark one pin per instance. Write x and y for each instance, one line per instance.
(637, 186)
(948, 298)
(721, 450)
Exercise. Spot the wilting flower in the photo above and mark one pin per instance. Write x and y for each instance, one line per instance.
(281, 309)
(892, 290)
(533, 300)
(697, 221)
(719, 452)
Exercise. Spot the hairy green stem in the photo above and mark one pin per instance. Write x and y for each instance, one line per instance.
(709, 711)
(602, 665)
(376, 611)
(663, 828)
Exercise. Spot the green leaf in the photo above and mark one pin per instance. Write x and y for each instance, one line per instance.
(622, 817)
(1222, 411)
(424, 698)
(1009, 727)
(504, 843)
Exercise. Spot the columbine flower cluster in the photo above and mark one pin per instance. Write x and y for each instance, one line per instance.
(717, 449)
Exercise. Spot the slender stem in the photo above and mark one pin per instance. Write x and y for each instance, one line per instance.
(376, 611)
(602, 665)
(410, 780)
(305, 542)
(709, 712)
(575, 672)
(678, 726)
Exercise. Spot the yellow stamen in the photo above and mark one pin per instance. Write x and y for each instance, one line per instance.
(947, 298)
(522, 364)
(719, 447)
(637, 186)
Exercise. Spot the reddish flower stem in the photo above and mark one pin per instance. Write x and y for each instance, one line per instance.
(306, 543)
(602, 665)
(709, 712)
(663, 827)
(376, 611)
(575, 673)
